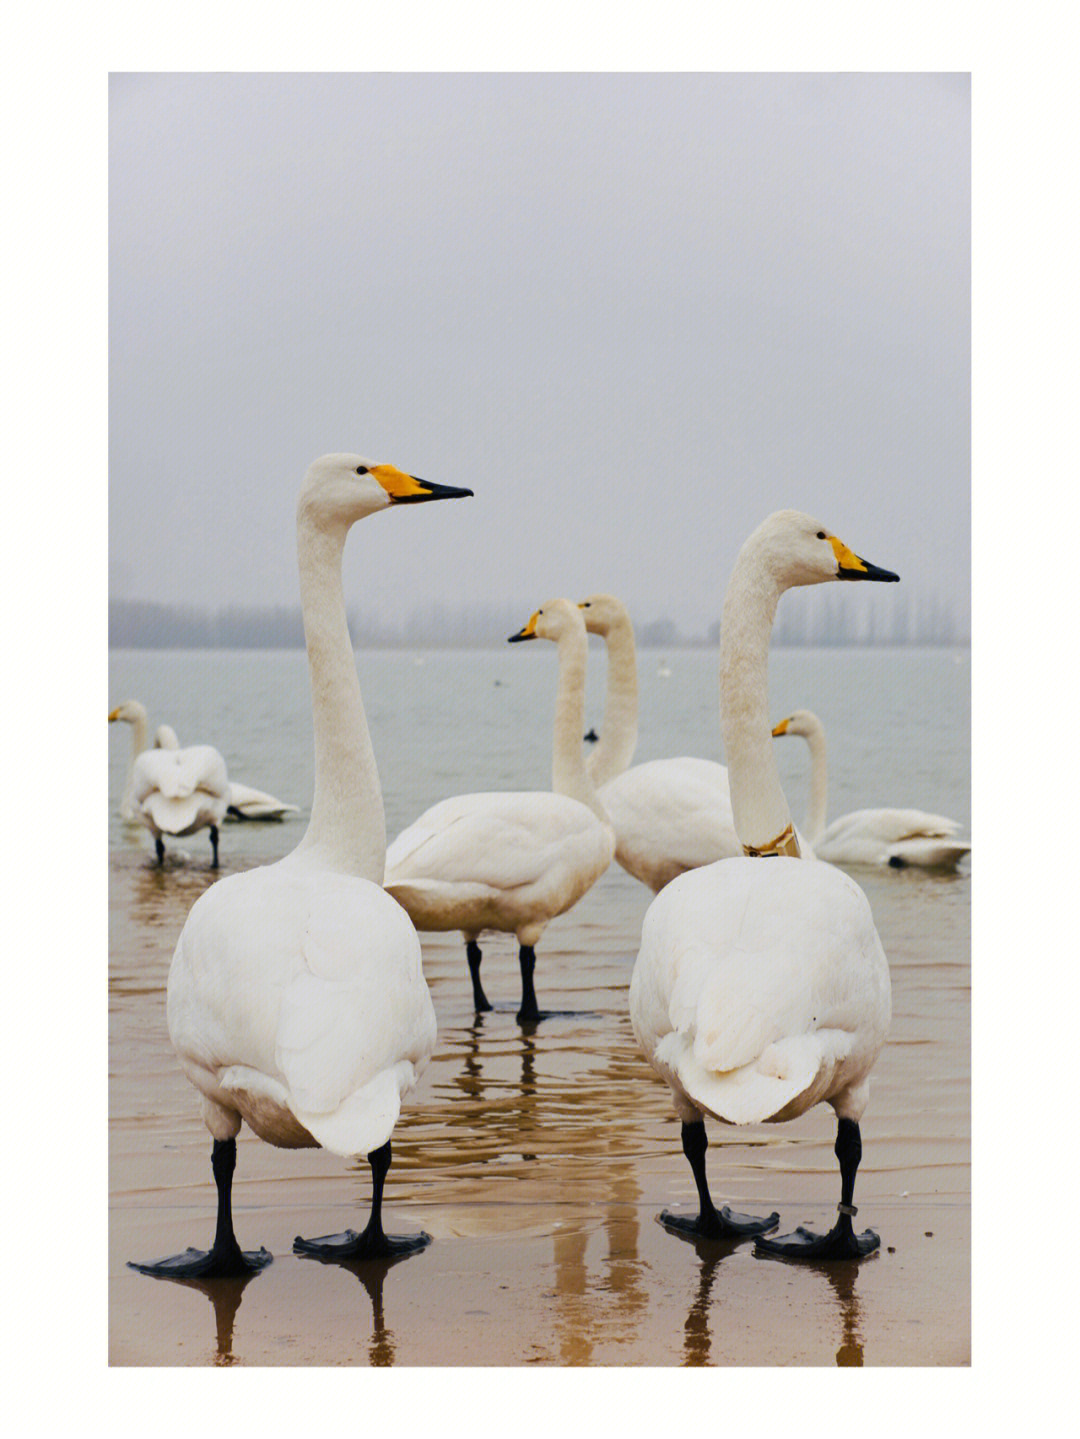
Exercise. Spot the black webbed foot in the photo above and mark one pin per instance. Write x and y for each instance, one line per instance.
(229, 1263)
(351, 1247)
(724, 1223)
(841, 1242)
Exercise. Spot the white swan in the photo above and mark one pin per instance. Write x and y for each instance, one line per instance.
(669, 815)
(244, 801)
(172, 791)
(296, 997)
(761, 987)
(133, 713)
(512, 861)
(896, 837)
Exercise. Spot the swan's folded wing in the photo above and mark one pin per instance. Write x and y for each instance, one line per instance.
(498, 840)
(889, 826)
(681, 807)
(356, 1023)
(253, 803)
(179, 773)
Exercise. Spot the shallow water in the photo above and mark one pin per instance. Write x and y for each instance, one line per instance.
(538, 1160)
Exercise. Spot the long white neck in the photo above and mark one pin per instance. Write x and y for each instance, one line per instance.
(347, 829)
(819, 783)
(619, 732)
(758, 805)
(568, 773)
(139, 729)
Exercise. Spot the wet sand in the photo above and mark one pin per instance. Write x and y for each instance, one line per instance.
(538, 1162)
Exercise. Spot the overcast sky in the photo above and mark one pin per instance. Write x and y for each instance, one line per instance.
(635, 313)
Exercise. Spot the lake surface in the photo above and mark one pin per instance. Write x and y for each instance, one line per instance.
(538, 1160)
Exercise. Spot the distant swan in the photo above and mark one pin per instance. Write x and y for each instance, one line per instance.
(296, 997)
(512, 861)
(173, 791)
(761, 988)
(244, 801)
(669, 815)
(896, 837)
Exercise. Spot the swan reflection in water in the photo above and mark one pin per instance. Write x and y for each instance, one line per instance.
(225, 1296)
(382, 1346)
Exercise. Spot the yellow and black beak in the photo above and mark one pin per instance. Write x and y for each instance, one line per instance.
(114, 715)
(781, 728)
(408, 490)
(851, 567)
(527, 632)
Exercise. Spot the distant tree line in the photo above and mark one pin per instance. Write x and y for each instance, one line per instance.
(823, 617)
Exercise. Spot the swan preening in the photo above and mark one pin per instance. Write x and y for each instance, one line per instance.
(761, 989)
(669, 815)
(172, 791)
(512, 861)
(244, 802)
(900, 838)
(296, 996)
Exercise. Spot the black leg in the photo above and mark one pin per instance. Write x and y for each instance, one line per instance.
(213, 842)
(226, 1259)
(481, 1002)
(529, 1011)
(841, 1242)
(373, 1243)
(159, 847)
(710, 1222)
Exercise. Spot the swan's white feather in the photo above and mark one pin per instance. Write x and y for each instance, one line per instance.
(497, 860)
(282, 1007)
(760, 985)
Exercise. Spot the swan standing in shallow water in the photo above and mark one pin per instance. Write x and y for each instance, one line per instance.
(512, 861)
(761, 988)
(296, 997)
(896, 837)
(669, 815)
(244, 801)
(172, 791)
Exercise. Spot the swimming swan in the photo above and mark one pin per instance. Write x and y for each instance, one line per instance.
(244, 801)
(296, 997)
(896, 837)
(512, 861)
(669, 815)
(762, 989)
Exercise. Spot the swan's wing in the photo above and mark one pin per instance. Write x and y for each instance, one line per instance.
(250, 803)
(500, 841)
(753, 978)
(888, 826)
(356, 1023)
(179, 773)
(671, 815)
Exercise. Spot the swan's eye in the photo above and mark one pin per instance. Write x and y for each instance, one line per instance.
(821, 535)
(361, 469)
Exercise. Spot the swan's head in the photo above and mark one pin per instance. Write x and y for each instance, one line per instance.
(165, 737)
(802, 722)
(800, 551)
(340, 489)
(555, 619)
(603, 613)
(129, 711)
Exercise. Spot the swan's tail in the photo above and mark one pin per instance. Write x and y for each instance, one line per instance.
(785, 1072)
(366, 1118)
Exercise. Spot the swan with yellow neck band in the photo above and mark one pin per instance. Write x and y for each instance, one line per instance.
(761, 989)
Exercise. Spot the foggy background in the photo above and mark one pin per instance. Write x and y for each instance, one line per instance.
(635, 313)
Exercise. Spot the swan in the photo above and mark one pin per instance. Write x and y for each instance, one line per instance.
(133, 713)
(178, 791)
(896, 837)
(761, 989)
(512, 862)
(244, 801)
(669, 815)
(296, 996)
